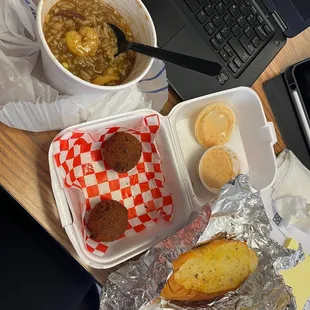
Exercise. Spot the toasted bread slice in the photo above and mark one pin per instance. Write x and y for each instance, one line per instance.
(210, 271)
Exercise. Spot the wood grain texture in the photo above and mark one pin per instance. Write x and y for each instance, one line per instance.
(24, 170)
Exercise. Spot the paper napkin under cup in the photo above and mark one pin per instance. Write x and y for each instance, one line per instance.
(287, 204)
(290, 199)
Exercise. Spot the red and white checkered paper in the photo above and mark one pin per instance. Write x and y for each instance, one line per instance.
(80, 164)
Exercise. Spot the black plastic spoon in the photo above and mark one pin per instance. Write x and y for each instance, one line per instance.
(196, 64)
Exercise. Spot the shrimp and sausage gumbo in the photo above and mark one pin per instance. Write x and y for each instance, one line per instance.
(78, 34)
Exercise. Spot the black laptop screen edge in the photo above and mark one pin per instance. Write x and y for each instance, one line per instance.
(290, 12)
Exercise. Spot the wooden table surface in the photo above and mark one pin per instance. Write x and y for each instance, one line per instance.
(24, 170)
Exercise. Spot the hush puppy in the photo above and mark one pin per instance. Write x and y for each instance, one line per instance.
(108, 220)
(122, 152)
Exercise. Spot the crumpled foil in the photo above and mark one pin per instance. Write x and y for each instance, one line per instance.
(239, 212)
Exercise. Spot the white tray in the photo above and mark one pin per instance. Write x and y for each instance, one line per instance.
(253, 142)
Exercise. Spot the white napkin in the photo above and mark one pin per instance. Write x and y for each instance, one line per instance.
(290, 199)
(307, 305)
(28, 103)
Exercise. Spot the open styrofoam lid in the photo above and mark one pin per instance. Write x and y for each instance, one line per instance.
(252, 141)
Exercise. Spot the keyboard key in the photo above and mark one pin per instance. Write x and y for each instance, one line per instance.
(260, 32)
(237, 1)
(259, 19)
(209, 9)
(234, 10)
(221, 8)
(246, 43)
(213, 1)
(210, 28)
(215, 44)
(238, 62)
(227, 2)
(192, 4)
(239, 50)
(251, 19)
(267, 29)
(219, 38)
(223, 78)
(217, 21)
(256, 42)
(248, 31)
(202, 1)
(225, 32)
(228, 50)
(228, 20)
(247, 2)
(224, 55)
(241, 21)
(236, 30)
(244, 9)
(233, 67)
(202, 17)
(253, 10)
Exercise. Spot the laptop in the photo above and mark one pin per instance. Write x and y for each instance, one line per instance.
(242, 35)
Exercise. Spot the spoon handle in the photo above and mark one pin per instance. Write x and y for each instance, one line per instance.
(197, 64)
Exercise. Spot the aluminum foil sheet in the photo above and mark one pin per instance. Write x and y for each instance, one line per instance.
(238, 213)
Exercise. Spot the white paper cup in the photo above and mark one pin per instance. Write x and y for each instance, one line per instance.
(141, 24)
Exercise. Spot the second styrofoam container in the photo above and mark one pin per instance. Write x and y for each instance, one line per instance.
(141, 24)
(180, 153)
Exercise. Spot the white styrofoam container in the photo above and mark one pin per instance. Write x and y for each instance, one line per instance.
(180, 153)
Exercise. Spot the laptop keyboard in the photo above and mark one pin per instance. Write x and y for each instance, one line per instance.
(235, 28)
